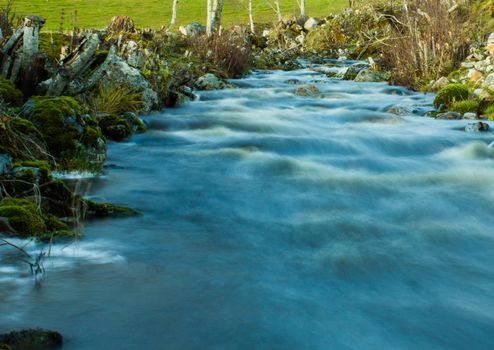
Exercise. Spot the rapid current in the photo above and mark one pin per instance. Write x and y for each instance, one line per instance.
(277, 221)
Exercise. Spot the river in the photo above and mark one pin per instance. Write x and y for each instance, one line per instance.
(277, 221)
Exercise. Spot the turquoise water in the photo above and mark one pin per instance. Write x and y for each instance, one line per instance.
(274, 221)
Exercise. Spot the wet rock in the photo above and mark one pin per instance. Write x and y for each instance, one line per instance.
(311, 23)
(193, 29)
(293, 81)
(449, 116)
(370, 76)
(5, 163)
(32, 339)
(211, 82)
(354, 70)
(399, 111)
(306, 91)
(121, 73)
(470, 115)
(477, 127)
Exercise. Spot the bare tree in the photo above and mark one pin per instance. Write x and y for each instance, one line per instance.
(251, 17)
(302, 8)
(174, 15)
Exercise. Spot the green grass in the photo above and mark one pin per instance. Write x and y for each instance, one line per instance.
(156, 13)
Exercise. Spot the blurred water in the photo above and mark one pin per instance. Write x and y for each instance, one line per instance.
(275, 221)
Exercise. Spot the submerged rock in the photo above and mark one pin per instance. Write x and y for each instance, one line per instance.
(354, 70)
(477, 127)
(370, 76)
(449, 116)
(308, 90)
(32, 339)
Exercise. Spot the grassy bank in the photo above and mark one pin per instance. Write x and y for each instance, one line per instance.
(156, 13)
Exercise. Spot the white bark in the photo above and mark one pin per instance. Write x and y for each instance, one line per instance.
(302, 8)
(278, 11)
(210, 16)
(215, 11)
(174, 15)
(251, 17)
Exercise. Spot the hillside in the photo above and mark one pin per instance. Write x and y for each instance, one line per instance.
(155, 13)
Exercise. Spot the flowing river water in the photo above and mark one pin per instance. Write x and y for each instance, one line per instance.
(276, 221)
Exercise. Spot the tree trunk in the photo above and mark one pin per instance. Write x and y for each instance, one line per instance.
(251, 17)
(215, 10)
(174, 15)
(278, 11)
(210, 17)
(302, 8)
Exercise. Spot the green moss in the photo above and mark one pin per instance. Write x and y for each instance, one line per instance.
(23, 216)
(450, 94)
(465, 106)
(115, 128)
(489, 112)
(91, 135)
(103, 210)
(43, 166)
(9, 93)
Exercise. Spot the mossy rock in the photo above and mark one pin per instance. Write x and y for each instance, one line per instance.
(32, 339)
(72, 137)
(104, 210)
(9, 93)
(450, 94)
(23, 216)
(115, 128)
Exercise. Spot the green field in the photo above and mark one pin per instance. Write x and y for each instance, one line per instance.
(156, 13)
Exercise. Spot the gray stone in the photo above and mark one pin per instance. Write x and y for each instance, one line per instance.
(369, 76)
(477, 127)
(449, 116)
(311, 23)
(470, 115)
(352, 71)
(440, 83)
(308, 90)
(211, 82)
(193, 29)
(121, 73)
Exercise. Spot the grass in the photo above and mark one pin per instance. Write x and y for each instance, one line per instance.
(156, 13)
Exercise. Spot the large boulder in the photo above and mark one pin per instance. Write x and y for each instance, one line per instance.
(121, 73)
(193, 29)
(211, 82)
(477, 127)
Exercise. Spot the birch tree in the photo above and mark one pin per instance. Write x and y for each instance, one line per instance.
(251, 17)
(214, 12)
(302, 8)
(278, 10)
(174, 15)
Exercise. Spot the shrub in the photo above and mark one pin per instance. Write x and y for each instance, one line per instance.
(427, 42)
(465, 106)
(9, 93)
(450, 94)
(489, 112)
(115, 100)
(228, 51)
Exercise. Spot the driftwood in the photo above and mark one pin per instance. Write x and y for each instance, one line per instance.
(24, 65)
